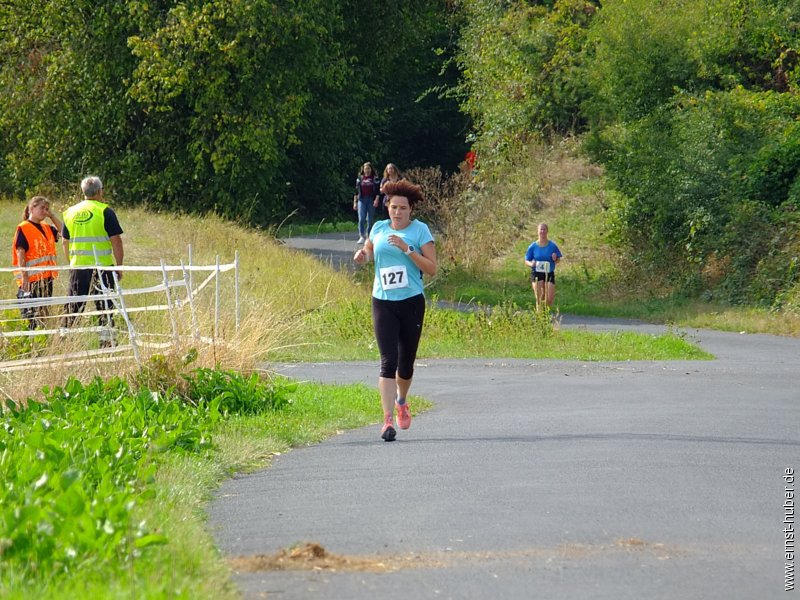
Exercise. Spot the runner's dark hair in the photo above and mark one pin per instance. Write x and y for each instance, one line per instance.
(405, 188)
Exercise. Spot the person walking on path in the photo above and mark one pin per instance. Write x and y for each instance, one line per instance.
(391, 174)
(92, 235)
(542, 257)
(365, 200)
(35, 246)
(403, 250)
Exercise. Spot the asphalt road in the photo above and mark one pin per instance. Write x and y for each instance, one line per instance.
(538, 479)
(336, 249)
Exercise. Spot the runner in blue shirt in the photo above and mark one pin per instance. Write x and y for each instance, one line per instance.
(403, 250)
(542, 257)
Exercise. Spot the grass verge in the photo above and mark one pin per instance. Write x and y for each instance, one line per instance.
(182, 561)
(288, 229)
(344, 332)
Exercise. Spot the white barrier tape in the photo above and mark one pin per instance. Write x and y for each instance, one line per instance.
(68, 360)
(99, 297)
(96, 313)
(77, 358)
(207, 280)
(61, 331)
(123, 268)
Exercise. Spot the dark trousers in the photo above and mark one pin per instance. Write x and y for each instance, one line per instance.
(83, 282)
(41, 288)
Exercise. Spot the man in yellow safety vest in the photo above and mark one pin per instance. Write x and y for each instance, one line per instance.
(92, 237)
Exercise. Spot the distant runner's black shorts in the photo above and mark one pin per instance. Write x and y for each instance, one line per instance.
(551, 276)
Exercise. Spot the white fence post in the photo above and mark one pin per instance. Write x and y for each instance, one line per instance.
(124, 312)
(191, 282)
(169, 305)
(190, 296)
(121, 305)
(216, 300)
(236, 286)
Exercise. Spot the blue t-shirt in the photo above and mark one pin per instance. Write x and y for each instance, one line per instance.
(542, 254)
(396, 275)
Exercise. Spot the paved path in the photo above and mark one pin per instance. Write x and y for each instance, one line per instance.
(541, 479)
(336, 249)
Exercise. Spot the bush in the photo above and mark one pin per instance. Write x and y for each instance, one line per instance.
(691, 120)
(701, 179)
(74, 466)
(235, 393)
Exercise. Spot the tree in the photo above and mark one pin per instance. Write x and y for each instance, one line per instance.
(692, 113)
(522, 74)
(249, 108)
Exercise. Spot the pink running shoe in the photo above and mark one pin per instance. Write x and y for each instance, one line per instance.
(388, 432)
(403, 416)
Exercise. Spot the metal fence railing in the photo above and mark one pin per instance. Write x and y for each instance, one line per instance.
(173, 292)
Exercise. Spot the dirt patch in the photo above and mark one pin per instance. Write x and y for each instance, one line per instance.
(660, 551)
(312, 556)
(306, 557)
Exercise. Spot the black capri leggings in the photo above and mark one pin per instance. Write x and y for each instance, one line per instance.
(398, 327)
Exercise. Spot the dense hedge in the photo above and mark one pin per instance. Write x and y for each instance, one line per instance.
(692, 108)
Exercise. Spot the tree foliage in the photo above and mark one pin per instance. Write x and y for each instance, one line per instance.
(521, 66)
(693, 111)
(249, 108)
(691, 106)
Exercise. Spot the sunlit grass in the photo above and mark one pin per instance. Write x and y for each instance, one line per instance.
(344, 332)
(290, 229)
(278, 288)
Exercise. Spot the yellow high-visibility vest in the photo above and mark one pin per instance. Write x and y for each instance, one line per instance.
(87, 234)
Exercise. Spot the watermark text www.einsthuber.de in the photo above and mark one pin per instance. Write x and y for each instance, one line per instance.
(788, 528)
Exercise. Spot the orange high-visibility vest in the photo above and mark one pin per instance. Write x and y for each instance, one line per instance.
(41, 252)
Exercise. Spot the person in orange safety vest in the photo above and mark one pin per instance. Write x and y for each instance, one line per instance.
(34, 250)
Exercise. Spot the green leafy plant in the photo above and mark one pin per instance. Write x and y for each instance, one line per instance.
(233, 392)
(78, 462)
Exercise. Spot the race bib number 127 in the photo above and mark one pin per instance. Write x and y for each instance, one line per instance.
(393, 278)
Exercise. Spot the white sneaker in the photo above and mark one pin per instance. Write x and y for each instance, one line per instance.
(361, 240)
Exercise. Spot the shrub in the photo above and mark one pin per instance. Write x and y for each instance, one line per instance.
(75, 464)
(234, 393)
(522, 71)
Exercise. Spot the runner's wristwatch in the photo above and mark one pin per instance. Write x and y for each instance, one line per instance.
(410, 249)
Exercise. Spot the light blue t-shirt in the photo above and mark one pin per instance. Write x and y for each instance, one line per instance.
(396, 275)
(543, 253)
